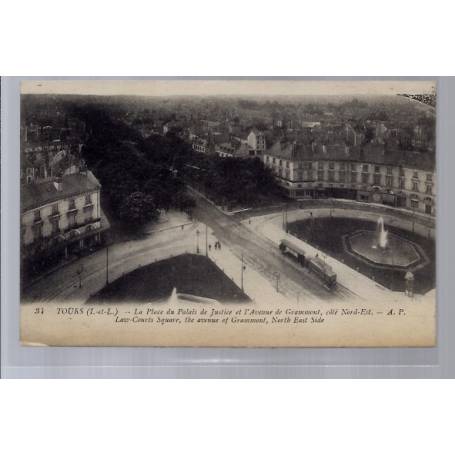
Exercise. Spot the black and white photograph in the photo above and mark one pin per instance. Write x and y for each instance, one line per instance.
(228, 212)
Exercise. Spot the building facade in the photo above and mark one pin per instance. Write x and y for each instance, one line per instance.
(61, 217)
(372, 175)
(256, 141)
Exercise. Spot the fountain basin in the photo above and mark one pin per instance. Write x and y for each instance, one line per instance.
(398, 253)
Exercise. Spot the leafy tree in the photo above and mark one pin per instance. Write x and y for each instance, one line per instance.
(138, 208)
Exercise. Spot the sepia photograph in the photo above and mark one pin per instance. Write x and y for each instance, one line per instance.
(228, 212)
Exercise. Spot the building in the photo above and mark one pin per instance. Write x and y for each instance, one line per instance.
(201, 145)
(370, 173)
(256, 141)
(234, 149)
(61, 217)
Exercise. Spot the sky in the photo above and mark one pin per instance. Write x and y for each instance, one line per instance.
(173, 87)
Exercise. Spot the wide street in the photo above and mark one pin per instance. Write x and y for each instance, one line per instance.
(263, 255)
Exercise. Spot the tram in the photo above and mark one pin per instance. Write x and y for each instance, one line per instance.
(315, 264)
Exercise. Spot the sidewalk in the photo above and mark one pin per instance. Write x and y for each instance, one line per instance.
(255, 285)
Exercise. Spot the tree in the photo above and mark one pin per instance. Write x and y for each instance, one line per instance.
(138, 208)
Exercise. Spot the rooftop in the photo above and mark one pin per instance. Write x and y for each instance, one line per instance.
(369, 153)
(36, 195)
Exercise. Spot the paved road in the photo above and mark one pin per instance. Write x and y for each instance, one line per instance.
(63, 284)
(263, 255)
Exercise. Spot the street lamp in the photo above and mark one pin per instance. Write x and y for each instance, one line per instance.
(197, 241)
(277, 281)
(241, 275)
(79, 274)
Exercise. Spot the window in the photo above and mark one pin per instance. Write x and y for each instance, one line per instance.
(342, 176)
(331, 176)
(401, 172)
(54, 225)
(377, 179)
(54, 209)
(37, 231)
(389, 170)
(310, 175)
(320, 165)
(415, 175)
(320, 175)
(389, 181)
(365, 178)
(429, 178)
(342, 166)
(402, 183)
(353, 177)
(281, 162)
(353, 167)
(72, 204)
(429, 189)
(414, 204)
(37, 215)
(287, 164)
(331, 165)
(377, 169)
(72, 219)
(365, 168)
(415, 186)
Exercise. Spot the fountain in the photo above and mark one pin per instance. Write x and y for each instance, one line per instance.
(382, 247)
(174, 299)
(381, 235)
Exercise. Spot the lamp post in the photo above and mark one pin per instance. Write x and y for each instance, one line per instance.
(241, 274)
(79, 274)
(206, 240)
(277, 281)
(197, 241)
(409, 277)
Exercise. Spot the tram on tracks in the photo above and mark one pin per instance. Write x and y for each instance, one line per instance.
(313, 263)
